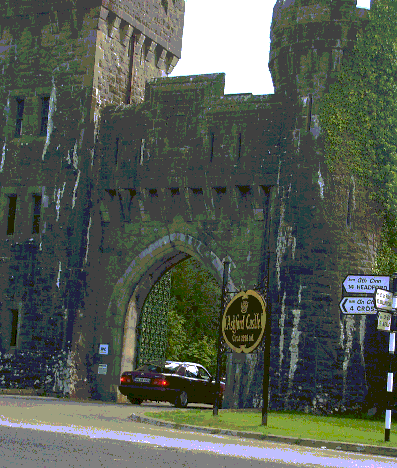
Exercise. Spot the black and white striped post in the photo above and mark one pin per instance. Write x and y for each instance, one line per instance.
(392, 348)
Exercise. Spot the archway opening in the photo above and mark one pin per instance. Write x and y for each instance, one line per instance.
(180, 316)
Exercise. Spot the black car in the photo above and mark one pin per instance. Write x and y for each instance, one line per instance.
(179, 383)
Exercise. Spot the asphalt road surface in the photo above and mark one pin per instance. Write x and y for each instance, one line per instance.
(48, 433)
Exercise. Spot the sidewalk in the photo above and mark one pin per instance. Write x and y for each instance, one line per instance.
(72, 407)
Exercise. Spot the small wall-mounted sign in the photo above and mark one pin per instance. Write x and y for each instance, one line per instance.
(102, 369)
(103, 349)
(384, 321)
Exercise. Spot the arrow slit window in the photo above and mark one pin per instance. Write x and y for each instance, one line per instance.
(14, 327)
(19, 117)
(12, 208)
(45, 107)
(36, 214)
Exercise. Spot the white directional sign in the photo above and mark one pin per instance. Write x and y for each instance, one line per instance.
(383, 299)
(384, 321)
(357, 305)
(365, 284)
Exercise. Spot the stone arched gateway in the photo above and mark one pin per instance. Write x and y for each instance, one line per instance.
(140, 276)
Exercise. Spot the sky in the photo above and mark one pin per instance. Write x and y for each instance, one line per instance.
(222, 37)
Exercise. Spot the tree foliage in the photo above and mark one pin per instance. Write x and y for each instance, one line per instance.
(359, 120)
(193, 315)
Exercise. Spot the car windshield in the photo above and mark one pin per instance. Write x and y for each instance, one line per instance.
(165, 368)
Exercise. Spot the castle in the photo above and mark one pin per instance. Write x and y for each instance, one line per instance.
(111, 173)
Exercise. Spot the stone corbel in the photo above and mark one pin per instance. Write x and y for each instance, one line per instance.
(161, 62)
(125, 32)
(104, 13)
(114, 29)
(139, 41)
(150, 47)
(125, 204)
(171, 62)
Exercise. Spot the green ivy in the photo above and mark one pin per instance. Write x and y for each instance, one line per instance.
(359, 121)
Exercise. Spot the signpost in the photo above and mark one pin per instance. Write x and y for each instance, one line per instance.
(365, 284)
(371, 295)
(357, 306)
(383, 299)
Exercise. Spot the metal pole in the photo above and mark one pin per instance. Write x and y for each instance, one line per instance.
(392, 348)
(268, 326)
(266, 353)
(226, 264)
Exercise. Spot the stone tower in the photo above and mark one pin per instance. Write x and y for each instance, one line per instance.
(326, 216)
(61, 61)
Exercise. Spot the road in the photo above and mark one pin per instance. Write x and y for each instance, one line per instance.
(50, 433)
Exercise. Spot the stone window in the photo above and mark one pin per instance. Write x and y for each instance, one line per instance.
(45, 107)
(36, 214)
(212, 142)
(14, 327)
(12, 208)
(20, 104)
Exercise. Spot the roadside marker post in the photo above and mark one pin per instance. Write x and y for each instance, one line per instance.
(390, 375)
(369, 294)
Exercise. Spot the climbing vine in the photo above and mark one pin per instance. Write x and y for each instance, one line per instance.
(359, 121)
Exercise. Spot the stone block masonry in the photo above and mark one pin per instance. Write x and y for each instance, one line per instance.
(134, 172)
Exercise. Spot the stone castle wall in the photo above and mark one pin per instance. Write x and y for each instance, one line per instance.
(137, 175)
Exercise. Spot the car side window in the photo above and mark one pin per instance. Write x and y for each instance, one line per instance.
(191, 371)
(203, 374)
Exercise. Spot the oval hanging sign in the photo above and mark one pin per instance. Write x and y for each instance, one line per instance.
(243, 322)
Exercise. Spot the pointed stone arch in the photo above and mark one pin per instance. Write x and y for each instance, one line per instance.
(132, 288)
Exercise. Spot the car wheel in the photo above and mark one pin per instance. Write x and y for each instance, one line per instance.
(181, 400)
(135, 401)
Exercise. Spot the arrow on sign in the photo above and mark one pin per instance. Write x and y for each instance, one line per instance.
(357, 305)
(365, 284)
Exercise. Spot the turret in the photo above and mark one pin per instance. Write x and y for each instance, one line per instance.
(308, 41)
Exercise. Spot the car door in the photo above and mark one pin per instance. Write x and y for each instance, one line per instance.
(195, 383)
(207, 387)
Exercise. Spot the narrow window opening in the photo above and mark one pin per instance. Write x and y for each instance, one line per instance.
(45, 107)
(12, 208)
(116, 152)
(36, 214)
(212, 145)
(349, 210)
(143, 142)
(19, 119)
(14, 327)
(309, 113)
(244, 196)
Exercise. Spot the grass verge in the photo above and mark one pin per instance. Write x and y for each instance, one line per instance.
(303, 426)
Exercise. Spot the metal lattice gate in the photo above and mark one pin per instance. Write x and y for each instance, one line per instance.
(153, 323)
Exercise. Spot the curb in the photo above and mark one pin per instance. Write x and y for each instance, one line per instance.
(323, 444)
